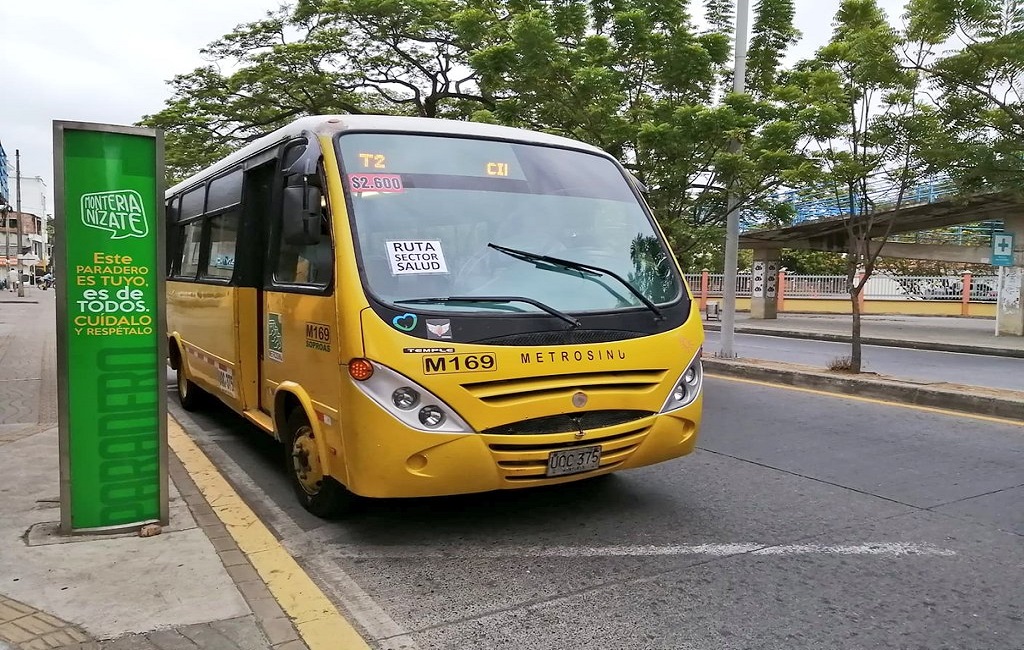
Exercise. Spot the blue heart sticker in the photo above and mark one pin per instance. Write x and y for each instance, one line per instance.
(405, 322)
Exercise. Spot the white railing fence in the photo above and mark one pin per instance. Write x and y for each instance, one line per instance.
(880, 286)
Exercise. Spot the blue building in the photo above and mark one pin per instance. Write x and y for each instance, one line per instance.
(5, 191)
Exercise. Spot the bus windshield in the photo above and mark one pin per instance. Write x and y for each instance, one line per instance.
(432, 216)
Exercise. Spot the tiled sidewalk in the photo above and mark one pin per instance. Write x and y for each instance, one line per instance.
(28, 415)
(31, 629)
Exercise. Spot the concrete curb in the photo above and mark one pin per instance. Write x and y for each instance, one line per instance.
(968, 399)
(279, 579)
(279, 630)
(936, 346)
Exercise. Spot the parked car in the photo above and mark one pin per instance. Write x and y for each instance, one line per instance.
(984, 291)
(981, 290)
(883, 287)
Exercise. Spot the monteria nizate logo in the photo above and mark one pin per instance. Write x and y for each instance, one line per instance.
(119, 212)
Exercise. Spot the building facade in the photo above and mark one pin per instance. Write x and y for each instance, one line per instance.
(31, 241)
(34, 206)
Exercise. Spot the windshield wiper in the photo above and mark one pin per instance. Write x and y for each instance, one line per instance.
(590, 269)
(495, 299)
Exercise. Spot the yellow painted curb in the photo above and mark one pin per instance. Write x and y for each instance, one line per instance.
(319, 623)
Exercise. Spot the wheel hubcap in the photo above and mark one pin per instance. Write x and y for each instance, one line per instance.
(182, 383)
(306, 461)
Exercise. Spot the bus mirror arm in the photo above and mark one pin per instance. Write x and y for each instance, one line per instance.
(305, 168)
(301, 225)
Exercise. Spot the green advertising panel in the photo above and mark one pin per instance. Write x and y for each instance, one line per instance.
(112, 375)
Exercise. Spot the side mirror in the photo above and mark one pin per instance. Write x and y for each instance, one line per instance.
(302, 213)
(305, 166)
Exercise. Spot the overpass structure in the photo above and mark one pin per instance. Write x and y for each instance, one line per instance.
(997, 212)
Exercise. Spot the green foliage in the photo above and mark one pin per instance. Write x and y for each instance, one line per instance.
(872, 112)
(719, 14)
(320, 57)
(633, 77)
(773, 34)
(905, 267)
(803, 262)
(980, 139)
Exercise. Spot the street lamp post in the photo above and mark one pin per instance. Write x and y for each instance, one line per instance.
(17, 199)
(732, 218)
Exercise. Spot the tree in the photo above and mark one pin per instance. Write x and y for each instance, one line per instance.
(320, 57)
(979, 83)
(633, 77)
(874, 158)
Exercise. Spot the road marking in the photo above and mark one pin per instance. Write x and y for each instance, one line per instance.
(870, 400)
(883, 549)
(360, 606)
(315, 617)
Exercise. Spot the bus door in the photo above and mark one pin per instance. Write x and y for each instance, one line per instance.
(257, 201)
(296, 307)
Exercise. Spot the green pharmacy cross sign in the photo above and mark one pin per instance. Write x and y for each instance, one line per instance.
(1002, 249)
(111, 345)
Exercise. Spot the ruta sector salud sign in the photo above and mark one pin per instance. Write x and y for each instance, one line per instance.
(111, 345)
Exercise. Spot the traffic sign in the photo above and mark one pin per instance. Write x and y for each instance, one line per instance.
(1002, 249)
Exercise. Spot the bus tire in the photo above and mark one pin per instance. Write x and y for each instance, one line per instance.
(190, 396)
(319, 494)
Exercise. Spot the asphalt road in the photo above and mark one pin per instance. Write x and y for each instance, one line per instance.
(920, 365)
(803, 521)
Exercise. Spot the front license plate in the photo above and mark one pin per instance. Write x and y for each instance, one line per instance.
(574, 461)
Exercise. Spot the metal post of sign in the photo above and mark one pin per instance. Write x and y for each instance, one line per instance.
(111, 343)
(17, 237)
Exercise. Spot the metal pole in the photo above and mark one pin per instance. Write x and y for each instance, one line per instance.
(732, 217)
(5, 210)
(17, 199)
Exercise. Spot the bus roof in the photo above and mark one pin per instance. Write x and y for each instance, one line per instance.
(330, 124)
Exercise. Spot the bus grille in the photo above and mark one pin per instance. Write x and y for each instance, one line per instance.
(510, 391)
(568, 423)
(528, 462)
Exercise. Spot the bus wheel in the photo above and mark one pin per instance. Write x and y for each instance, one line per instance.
(317, 492)
(189, 395)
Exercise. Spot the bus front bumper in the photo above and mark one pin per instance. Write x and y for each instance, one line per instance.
(388, 460)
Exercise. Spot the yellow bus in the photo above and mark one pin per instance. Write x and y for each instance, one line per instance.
(419, 307)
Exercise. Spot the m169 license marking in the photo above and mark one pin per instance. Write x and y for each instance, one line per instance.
(450, 363)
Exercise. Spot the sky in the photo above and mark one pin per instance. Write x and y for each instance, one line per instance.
(109, 61)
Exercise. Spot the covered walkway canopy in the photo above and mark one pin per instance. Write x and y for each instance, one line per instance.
(833, 234)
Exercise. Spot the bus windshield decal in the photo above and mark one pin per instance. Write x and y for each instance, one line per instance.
(375, 183)
(416, 256)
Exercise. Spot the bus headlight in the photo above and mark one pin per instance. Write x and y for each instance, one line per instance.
(687, 387)
(400, 396)
(431, 416)
(406, 398)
